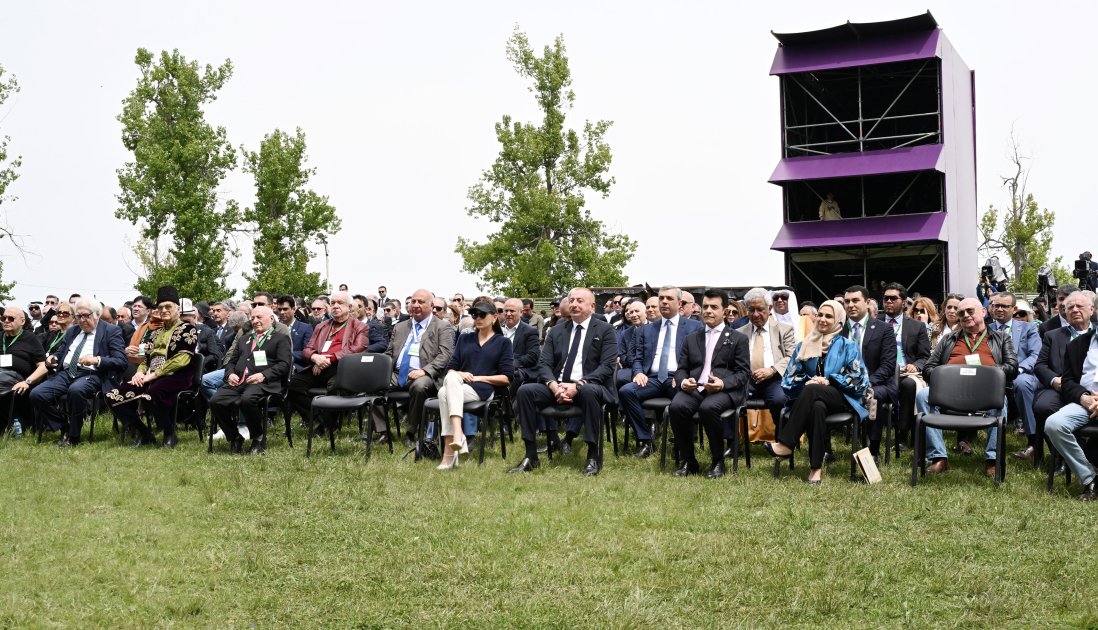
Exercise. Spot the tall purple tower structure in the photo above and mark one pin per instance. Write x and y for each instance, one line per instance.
(878, 168)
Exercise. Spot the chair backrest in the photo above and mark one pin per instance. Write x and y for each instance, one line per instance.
(967, 388)
(363, 373)
(197, 362)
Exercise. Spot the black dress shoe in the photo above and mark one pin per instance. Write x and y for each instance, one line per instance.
(565, 448)
(829, 457)
(716, 472)
(1090, 492)
(236, 445)
(144, 440)
(259, 445)
(170, 441)
(687, 469)
(646, 451)
(526, 465)
(592, 468)
(410, 440)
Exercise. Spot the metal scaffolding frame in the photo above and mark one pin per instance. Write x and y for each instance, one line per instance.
(861, 136)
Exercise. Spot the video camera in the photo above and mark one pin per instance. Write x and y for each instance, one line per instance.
(1086, 272)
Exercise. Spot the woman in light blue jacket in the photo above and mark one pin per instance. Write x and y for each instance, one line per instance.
(826, 376)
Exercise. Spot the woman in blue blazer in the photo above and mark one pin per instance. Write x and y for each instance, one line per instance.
(825, 377)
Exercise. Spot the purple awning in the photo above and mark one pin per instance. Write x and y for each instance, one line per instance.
(909, 159)
(868, 231)
(848, 54)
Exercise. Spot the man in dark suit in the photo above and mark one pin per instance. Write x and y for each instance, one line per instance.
(629, 340)
(1050, 364)
(912, 351)
(713, 367)
(208, 345)
(655, 363)
(378, 332)
(91, 356)
(1080, 408)
(420, 348)
(300, 332)
(878, 347)
(220, 312)
(524, 339)
(1027, 346)
(263, 359)
(1057, 321)
(576, 367)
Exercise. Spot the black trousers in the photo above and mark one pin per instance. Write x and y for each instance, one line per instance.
(535, 396)
(905, 413)
(249, 399)
(709, 408)
(300, 384)
(807, 416)
(419, 390)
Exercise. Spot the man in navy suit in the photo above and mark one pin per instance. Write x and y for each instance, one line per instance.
(300, 332)
(91, 356)
(912, 352)
(655, 363)
(878, 346)
(713, 368)
(576, 367)
(1050, 362)
(1027, 345)
(524, 340)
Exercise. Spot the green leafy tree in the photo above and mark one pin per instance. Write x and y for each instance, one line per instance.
(8, 174)
(169, 190)
(1021, 234)
(547, 241)
(286, 217)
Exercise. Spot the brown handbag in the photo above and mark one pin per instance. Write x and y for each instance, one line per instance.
(760, 426)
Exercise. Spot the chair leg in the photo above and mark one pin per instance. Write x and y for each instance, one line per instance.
(888, 436)
(487, 433)
(735, 448)
(369, 429)
(916, 451)
(855, 433)
(309, 444)
(289, 428)
(1052, 464)
(662, 426)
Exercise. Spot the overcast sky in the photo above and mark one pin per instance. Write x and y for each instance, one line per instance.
(398, 101)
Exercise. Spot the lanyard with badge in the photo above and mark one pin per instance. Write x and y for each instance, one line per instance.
(413, 345)
(332, 333)
(974, 358)
(5, 358)
(258, 354)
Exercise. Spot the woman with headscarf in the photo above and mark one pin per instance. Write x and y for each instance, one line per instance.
(826, 376)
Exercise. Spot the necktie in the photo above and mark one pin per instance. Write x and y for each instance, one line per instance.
(76, 355)
(665, 352)
(710, 344)
(406, 361)
(893, 322)
(757, 350)
(858, 333)
(570, 362)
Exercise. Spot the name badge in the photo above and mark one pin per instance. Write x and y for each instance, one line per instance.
(413, 350)
(324, 348)
(260, 357)
(972, 359)
(5, 360)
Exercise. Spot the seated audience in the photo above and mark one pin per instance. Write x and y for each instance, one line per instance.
(1050, 364)
(629, 341)
(22, 364)
(299, 332)
(771, 345)
(912, 352)
(1078, 387)
(524, 339)
(877, 342)
(1027, 346)
(208, 344)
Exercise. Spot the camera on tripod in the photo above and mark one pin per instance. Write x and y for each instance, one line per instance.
(1086, 272)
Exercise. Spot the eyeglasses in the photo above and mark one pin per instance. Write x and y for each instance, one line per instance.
(891, 298)
(84, 315)
(51, 302)
(457, 299)
(499, 311)
(7, 319)
(734, 313)
(784, 297)
(994, 305)
(387, 309)
(919, 311)
(321, 308)
(439, 309)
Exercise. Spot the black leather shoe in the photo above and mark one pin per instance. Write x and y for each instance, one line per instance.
(646, 451)
(687, 469)
(716, 472)
(144, 440)
(565, 448)
(1090, 492)
(410, 440)
(259, 445)
(526, 465)
(65, 442)
(592, 468)
(829, 457)
(170, 441)
(236, 445)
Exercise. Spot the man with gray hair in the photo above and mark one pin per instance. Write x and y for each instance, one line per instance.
(771, 345)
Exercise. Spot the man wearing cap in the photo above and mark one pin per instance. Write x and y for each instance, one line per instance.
(263, 359)
(90, 357)
(165, 371)
(208, 344)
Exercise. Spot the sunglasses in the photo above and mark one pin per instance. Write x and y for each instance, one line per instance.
(891, 298)
(63, 315)
(321, 308)
(734, 312)
(51, 303)
(7, 319)
(439, 309)
(919, 311)
(784, 297)
(1021, 314)
(479, 314)
(993, 305)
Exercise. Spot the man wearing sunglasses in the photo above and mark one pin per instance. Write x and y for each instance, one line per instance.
(90, 357)
(912, 352)
(973, 343)
(1027, 347)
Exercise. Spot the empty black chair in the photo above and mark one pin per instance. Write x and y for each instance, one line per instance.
(965, 395)
(361, 380)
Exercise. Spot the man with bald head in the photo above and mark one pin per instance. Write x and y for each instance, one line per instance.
(576, 367)
(332, 339)
(262, 361)
(524, 340)
(652, 309)
(420, 347)
(973, 343)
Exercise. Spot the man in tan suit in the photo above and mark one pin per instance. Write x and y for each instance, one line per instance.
(420, 348)
(771, 344)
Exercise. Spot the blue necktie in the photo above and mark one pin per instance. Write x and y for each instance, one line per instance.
(665, 352)
(406, 361)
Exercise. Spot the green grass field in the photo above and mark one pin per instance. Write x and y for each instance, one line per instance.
(106, 536)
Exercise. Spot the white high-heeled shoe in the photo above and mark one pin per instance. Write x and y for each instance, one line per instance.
(448, 466)
(460, 447)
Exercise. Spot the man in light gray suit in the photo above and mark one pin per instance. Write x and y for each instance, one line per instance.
(420, 348)
(771, 344)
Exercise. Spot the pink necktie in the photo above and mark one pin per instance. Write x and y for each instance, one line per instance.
(710, 343)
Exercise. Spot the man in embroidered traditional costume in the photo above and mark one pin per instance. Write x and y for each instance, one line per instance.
(165, 372)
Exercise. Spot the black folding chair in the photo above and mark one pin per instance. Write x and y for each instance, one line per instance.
(1088, 431)
(192, 397)
(607, 418)
(361, 380)
(832, 421)
(965, 395)
(498, 404)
